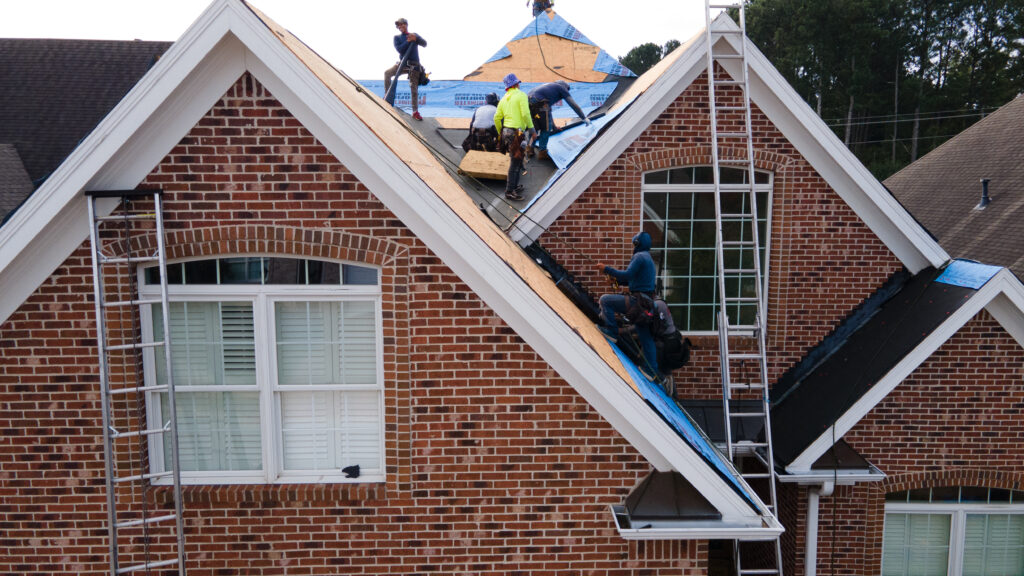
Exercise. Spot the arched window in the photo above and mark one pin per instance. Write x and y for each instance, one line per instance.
(277, 365)
(957, 530)
(679, 214)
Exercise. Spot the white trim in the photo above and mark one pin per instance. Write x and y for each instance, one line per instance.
(812, 138)
(1004, 292)
(840, 477)
(702, 530)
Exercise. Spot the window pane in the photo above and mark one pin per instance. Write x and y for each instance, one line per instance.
(326, 343)
(655, 206)
(286, 271)
(201, 272)
(915, 545)
(359, 275)
(659, 177)
(212, 344)
(680, 176)
(243, 270)
(324, 272)
(331, 430)
(732, 175)
(994, 545)
(216, 431)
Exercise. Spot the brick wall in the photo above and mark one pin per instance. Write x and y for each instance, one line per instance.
(494, 464)
(955, 421)
(823, 259)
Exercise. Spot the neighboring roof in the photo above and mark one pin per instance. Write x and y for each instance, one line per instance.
(942, 188)
(652, 93)
(371, 139)
(817, 401)
(550, 49)
(15, 185)
(54, 92)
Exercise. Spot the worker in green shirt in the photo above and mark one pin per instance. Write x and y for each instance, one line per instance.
(513, 122)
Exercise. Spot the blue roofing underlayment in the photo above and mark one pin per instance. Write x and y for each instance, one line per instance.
(684, 426)
(460, 98)
(555, 25)
(968, 274)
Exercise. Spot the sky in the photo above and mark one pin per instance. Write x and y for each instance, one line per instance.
(356, 36)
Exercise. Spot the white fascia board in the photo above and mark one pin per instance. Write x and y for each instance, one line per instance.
(117, 154)
(840, 168)
(436, 225)
(609, 146)
(840, 477)
(1008, 307)
(703, 530)
(997, 286)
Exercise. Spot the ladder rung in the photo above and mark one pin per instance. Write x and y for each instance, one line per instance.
(755, 571)
(727, 31)
(138, 477)
(154, 388)
(727, 56)
(147, 216)
(750, 386)
(745, 356)
(756, 475)
(746, 414)
(141, 521)
(734, 162)
(739, 271)
(737, 216)
(140, 260)
(747, 444)
(136, 345)
(730, 135)
(120, 303)
(738, 299)
(136, 433)
(147, 565)
(738, 243)
(729, 82)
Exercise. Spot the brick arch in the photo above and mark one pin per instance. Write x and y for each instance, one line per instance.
(701, 156)
(956, 477)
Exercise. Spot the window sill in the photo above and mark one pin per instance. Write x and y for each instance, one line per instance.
(274, 494)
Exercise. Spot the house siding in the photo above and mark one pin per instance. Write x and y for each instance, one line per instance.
(823, 260)
(955, 421)
(494, 464)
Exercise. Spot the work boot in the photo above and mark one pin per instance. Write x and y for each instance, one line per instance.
(416, 116)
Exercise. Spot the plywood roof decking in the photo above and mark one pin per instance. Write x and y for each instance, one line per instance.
(385, 122)
(544, 58)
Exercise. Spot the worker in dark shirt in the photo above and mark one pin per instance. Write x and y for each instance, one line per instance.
(640, 277)
(407, 41)
(542, 99)
(540, 6)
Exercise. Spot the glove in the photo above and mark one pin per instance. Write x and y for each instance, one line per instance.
(600, 268)
(588, 122)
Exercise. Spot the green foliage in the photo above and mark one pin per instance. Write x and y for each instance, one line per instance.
(641, 58)
(871, 67)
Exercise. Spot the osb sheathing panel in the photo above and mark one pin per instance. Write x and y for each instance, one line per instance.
(491, 165)
(552, 58)
(386, 124)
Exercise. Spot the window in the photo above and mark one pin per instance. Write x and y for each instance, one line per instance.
(277, 368)
(679, 214)
(959, 531)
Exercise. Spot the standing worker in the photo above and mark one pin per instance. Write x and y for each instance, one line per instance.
(542, 99)
(407, 44)
(540, 6)
(640, 277)
(511, 120)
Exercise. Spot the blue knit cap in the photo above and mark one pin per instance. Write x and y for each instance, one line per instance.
(510, 80)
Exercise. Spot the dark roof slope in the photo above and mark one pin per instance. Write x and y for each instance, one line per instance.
(942, 188)
(54, 92)
(15, 185)
(842, 370)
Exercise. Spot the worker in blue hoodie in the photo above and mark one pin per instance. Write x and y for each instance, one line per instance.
(640, 277)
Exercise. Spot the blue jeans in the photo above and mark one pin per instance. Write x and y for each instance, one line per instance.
(616, 303)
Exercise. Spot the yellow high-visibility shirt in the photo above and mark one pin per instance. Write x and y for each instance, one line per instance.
(513, 111)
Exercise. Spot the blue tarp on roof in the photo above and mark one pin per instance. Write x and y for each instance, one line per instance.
(685, 427)
(459, 98)
(555, 25)
(967, 274)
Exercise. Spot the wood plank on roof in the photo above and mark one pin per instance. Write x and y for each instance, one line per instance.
(490, 165)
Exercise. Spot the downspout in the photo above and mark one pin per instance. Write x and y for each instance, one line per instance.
(811, 549)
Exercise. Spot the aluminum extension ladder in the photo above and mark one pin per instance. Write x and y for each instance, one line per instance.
(754, 459)
(147, 540)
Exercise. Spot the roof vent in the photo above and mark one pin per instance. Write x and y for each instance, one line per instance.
(985, 200)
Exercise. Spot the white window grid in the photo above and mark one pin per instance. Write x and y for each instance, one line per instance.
(958, 512)
(263, 298)
(765, 239)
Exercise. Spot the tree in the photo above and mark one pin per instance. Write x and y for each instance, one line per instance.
(641, 58)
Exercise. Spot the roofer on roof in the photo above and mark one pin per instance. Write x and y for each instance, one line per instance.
(640, 277)
(482, 133)
(407, 44)
(542, 99)
(512, 119)
(540, 6)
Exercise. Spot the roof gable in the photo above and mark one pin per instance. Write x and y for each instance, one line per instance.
(371, 140)
(787, 111)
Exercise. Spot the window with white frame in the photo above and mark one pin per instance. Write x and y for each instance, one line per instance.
(679, 214)
(277, 369)
(954, 531)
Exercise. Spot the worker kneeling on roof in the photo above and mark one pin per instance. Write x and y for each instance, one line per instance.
(483, 135)
(638, 305)
(542, 99)
(512, 121)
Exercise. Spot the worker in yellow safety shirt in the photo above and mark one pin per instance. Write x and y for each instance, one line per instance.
(513, 122)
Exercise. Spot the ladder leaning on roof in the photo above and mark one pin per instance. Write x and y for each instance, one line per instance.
(740, 287)
(145, 539)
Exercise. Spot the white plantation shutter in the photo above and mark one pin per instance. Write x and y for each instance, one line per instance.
(239, 343)
(212, 343)
(216, 431)
(326, 343)
(331, 430)
(916, 544)
(358, 350)
(993, 545)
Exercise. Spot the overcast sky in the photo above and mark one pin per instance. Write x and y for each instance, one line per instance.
(356, 35)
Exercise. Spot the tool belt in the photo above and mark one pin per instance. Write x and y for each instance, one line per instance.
(640, 309)
(512, 142)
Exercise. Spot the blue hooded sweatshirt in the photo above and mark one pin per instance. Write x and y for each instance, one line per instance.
(641, 274)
